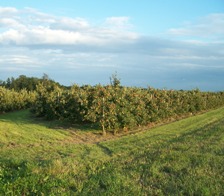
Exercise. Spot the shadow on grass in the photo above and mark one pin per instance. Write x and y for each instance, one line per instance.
(201, 134)
(17, 178)
(12, 170)
(26, 117)
(22, 117)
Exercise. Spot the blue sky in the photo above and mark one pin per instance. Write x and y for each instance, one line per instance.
(169, 44)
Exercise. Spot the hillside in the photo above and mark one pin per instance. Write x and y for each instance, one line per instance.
(49, 158)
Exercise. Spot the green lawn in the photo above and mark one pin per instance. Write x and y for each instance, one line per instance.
(47, 158)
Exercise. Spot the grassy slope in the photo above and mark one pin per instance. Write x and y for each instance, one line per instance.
(181, 158)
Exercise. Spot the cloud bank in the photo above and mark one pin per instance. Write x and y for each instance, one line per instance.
(77, 50)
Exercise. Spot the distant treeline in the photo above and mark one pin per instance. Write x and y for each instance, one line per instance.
(20, 93)
(24, 82)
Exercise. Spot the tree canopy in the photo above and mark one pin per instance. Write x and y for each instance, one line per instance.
(24, 82)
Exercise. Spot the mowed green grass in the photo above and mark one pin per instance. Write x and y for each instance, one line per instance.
(42, 158)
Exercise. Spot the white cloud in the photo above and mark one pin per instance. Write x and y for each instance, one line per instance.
(43, 35)
(8, 22)
(31, 27)
(74, 48)
(17, 59)
(11, 37)
(211, 26)
(70, 24)
(7, 11)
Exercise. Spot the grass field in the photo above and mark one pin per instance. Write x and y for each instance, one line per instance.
(48, 158)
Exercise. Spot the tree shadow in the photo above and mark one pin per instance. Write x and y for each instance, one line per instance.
(22, 117)
(26, 117)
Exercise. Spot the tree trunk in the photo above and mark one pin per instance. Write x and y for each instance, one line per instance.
(104, 131)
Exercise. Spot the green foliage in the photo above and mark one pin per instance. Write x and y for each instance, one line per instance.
(12, 100)
(24, 82)
(114, 107)
(114, 80)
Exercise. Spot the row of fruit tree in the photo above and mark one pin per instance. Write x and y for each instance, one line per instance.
(115, 107)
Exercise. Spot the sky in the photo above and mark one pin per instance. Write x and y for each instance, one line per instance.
(171, 44)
